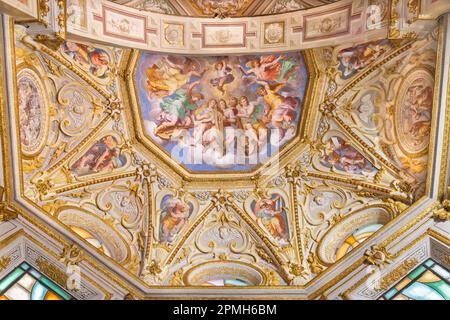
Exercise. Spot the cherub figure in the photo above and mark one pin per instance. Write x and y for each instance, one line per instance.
(271, 68)
(224, 76)
(168, 75)
(174, 217)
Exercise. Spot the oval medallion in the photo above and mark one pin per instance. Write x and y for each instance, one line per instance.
(413, 112)
(33, 113)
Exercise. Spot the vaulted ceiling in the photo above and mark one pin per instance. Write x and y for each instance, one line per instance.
(97, 154)
(268, 167)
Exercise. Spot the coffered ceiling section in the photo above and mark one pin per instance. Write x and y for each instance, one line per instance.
(332, 24)
(222, 8)
(96, 129)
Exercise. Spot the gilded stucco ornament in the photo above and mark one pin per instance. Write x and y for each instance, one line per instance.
(146, 172)
(398, 273)
(443, 211)
(221, 199)
(6, 213)
(71, 255)
(4, 262)
(378, 256)
(397, 207)
(52, 271)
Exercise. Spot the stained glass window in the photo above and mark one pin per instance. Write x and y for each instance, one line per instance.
(26, 283)
(356, 238)
(429, 281)
(226, 283)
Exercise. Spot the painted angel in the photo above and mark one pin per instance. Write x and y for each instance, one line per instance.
(176, 111)
(270, 68)
(173, 218)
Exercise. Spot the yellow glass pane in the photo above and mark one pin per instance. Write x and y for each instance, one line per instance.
(364, 235)
(342, 250)
(51, 296)
(402, 284)
(428, 277)
(350, 240)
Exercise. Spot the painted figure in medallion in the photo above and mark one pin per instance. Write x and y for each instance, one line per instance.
(271, 213)
(95, 60)
(175, 213)
(104, 156)
(352, 60)
(418, 103)
(30, 106)
(342, 156)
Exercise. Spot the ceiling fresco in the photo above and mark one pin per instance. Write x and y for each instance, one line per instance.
(98, 126)
(221, 113)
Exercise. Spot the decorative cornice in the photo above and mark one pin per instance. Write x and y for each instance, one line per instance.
(399, 272)
(53, 272)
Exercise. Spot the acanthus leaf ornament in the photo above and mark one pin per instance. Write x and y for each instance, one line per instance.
(396, 274)
(154, 268)
(314, 264)
(397, 207)
(114, 108)
(327, 107)
(443, 211)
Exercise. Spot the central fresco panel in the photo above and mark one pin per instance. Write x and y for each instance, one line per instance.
(221, 113)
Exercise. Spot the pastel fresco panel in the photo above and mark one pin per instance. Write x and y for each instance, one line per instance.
(340, 155)
(223, 36)
(221, 113)
(32, 110)
(104, 156)
(124, 25)
(271, 214)
(413, 112)
(354, 59)
(174, 216)
(96, 61)
(322, 26)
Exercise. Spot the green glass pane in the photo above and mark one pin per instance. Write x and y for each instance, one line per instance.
(10, 279)
(25, 266)
(416, 272)
(55, 288)
(429, 263)
(441, 287)
(390, 293)
(35, 274)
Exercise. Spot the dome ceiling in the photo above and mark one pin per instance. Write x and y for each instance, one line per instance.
(222, 8)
